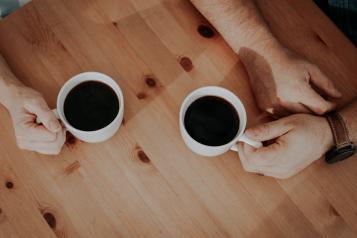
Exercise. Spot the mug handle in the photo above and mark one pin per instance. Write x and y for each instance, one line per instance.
(246, 139)
(55, 111)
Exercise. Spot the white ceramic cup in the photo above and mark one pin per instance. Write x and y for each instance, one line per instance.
(90, 136)
(206, 150)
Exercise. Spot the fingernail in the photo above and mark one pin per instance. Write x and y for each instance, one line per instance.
(55, 126)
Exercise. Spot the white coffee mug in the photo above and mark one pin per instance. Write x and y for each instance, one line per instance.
(90, 136)
(206, 150)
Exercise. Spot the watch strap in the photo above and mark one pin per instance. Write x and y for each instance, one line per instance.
(339, 130)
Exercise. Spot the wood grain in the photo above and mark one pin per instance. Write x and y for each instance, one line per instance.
(144, 182)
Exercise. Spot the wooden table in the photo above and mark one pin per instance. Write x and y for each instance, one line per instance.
(145, 182)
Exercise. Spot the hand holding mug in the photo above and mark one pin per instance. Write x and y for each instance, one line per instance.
(299, 140)
(25, 106)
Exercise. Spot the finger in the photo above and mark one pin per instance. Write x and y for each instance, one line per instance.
(245, 163)
(261, 168)
(268, 156)
(44, 114)
(276, 174)
(284, 171)
(49, 152)
(270, 130)
(280, 172)
(322, 82)
(315, 102)
(37, 145)
(53, 147)
(295, 107)
(33, 132)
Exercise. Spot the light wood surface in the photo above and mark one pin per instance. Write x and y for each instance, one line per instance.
(145, 182)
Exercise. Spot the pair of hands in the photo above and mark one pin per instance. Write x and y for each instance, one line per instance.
(297, 140)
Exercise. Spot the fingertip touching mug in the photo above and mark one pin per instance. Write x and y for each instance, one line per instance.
(90, 136)
(207, 150)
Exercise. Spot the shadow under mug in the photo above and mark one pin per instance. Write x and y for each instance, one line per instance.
(90, 136)
(206, 150)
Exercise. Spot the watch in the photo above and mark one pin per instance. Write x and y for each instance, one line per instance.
(344, 147)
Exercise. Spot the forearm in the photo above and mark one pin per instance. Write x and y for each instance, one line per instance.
(349, 114)
(240, 23)
(8, 83)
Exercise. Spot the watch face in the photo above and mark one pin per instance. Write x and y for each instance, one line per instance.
(339, 154)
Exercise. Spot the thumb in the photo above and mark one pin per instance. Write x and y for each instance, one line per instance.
(44, 114)
(270, 130)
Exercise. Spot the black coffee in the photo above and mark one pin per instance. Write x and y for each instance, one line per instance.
(211, 121)
(91, 106)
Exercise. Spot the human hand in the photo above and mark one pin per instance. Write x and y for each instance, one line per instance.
(300, 139)
(24, 106)
(285, 83)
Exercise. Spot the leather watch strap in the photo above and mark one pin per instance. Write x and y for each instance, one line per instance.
(339, 130)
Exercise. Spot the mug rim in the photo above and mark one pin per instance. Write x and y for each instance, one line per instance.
(221, 89)
(82, 75)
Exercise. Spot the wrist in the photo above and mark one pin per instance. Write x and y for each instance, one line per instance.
(268, 54)
(277, 54)
(327, 139)
(10, 91)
